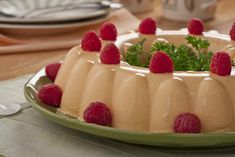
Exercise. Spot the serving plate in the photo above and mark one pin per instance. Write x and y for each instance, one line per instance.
(34, 15)
(143, 138)
(48, 29)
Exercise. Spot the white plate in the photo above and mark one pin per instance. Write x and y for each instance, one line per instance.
(20, 6)
(47, 29)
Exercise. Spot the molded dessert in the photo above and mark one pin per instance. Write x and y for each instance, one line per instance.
(141, 100)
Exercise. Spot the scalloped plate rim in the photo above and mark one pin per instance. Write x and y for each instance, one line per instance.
(203, 140)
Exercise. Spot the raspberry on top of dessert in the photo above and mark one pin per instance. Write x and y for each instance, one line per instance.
(154, 81)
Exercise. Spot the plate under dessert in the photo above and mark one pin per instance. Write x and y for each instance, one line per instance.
(129, 136)
(134, 137)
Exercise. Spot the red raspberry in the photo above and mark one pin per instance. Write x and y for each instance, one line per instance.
(195, 26)
(91, 42)
(50, 94)
(148, 26)
(161, 63)
(110, 54)
(52, 70)
(232, 32)
(187, 123)
(221, 64)
(98, 113)
(108, 31)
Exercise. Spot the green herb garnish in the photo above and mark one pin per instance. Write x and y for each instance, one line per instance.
(184, 57)
(136, 55)
(198, 43)
(191, 57)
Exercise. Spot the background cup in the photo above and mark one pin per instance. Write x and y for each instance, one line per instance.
(138, 6)
(183, 10)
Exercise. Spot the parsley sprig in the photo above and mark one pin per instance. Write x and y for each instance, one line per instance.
(186, 58)
(136, 55)
(198, 43)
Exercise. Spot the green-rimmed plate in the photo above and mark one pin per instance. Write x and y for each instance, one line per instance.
(144, 138)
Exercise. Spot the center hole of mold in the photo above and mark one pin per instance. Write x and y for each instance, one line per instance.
(188, 53)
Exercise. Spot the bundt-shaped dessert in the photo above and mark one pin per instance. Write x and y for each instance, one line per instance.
(165, 88)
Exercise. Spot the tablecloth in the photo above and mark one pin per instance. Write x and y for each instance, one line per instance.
(29, 134)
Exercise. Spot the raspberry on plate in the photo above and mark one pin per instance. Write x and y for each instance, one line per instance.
(108, 31)
(195, 26)
(221, 64)
(161, 63)
(187, 123)
(98, 113)
(148, 26)
(232, 32)
(52, 70)
(50, 94)
(91, 42)
(110, 54)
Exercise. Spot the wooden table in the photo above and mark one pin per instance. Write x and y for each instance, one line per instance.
(12, 65)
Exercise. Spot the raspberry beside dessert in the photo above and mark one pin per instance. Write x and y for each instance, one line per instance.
(52, 70)
(110, 54)
(161, 63)
(108, 31)
(91, 42)
(50, 94)
(221, 64)
(98, 113)
(195, 26)
(148, 26)
(187, 123)
(232, 32)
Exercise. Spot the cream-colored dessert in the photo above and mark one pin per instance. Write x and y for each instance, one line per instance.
(143, 101)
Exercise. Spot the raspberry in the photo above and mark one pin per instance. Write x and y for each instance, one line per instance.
(195, 26)
(221, 64)
(232, 32)
(52, 70)
(110, 54)
(187, 123)
(91, 42)
(50, 94)
(108, 31)
(98, 113)
(161, 63)
(148, 26)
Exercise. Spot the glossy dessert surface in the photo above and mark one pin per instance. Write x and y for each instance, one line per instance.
(142, 101)
(183, 141)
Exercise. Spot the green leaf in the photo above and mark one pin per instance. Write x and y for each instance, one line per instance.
(184, 57)
(197, 43)
(136, 56)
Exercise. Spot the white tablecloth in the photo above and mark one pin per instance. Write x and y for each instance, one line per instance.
(29, 134)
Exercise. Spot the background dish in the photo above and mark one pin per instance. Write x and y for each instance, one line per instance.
(144, 138)
(47, 29)
(31, 11)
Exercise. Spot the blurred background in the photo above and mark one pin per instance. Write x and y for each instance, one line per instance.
(34, 33)
(174, 14)
(167, 12)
